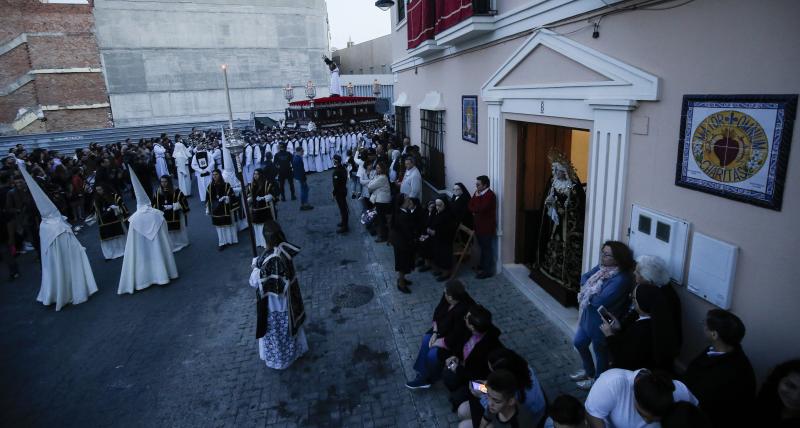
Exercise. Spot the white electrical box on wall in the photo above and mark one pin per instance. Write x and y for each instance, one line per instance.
(656, 234)
(712, 269)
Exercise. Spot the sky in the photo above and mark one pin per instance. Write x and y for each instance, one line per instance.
(359, 19)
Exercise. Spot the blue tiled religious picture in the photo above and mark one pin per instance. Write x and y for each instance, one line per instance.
(736, 146)
(469, 118)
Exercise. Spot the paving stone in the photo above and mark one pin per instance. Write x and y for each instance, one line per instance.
(185, 354)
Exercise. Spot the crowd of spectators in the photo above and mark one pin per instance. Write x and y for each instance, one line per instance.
(629, 314)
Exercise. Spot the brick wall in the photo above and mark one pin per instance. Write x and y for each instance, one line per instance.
(75, 48)
(71, 89)
(36, 127)
(24, 97)
(71, 51)
(66, 120)
(18, 16)
(14, 64)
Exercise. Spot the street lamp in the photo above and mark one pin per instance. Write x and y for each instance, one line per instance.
(376, 88)
(235, 144)
(349, 89)
(288, 93)
(384, 4)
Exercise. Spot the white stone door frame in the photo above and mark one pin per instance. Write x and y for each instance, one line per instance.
(608, 104)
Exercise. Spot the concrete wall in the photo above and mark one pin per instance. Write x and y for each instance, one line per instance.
(690, 57)
(162, 59)
(371, 57)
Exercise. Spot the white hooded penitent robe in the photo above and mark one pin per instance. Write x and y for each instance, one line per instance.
(66, 274)
(148, 256)
(182, 155)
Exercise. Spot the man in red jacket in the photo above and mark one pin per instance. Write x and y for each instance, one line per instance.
(483, 206)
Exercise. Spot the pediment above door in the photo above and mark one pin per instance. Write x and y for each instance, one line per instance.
(550, 66)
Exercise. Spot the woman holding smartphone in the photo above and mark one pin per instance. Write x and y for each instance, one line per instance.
(607, 285)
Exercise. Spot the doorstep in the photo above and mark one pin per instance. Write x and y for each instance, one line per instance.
(565, 319)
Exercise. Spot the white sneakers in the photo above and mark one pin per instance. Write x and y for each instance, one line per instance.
(584, 382)
(578, 376)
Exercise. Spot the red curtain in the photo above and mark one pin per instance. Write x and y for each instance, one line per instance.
(451, 12)
(421, 25)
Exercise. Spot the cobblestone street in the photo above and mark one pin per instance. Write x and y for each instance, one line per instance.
(185, 354)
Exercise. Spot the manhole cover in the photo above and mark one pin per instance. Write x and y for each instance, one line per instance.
(352, 296)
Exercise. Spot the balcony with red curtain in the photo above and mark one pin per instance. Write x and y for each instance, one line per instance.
(451, 12)
(428, 18)
(421, 21)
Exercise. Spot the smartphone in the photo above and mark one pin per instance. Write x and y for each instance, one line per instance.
(479, 387)
(605, 314)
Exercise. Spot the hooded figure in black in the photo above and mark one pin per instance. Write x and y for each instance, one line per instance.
(440, 232)
(459, 205)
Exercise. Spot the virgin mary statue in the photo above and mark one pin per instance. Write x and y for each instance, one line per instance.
(560, 244)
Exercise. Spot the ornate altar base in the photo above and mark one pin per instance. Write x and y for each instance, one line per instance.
(562, 294)
(332, 111)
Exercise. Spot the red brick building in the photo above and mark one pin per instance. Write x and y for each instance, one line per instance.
(51, 78)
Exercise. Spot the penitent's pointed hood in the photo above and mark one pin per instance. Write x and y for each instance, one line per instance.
(53, 224)
(146, 220)
(142, 198)
(46, 207)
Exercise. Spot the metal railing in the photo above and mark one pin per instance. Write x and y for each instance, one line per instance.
(67, 142)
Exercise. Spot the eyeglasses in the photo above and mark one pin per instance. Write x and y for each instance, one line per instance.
(604, 254)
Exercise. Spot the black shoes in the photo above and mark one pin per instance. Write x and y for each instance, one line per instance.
(342, 230)
(306, 207)
(483, 275)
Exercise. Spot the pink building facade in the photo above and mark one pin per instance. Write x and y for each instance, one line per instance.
(536, 63)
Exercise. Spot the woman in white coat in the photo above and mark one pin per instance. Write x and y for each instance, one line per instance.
(380, 194)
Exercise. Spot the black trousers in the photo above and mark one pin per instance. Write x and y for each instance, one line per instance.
(382, 220)
(341, 201)
(282, 184)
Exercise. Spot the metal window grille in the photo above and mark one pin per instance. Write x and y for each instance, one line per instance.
(402, 121)
(484, 7)
(432, 127)
(401, 10)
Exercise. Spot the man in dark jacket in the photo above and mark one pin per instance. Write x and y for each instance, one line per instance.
(6, 253)
(721, 377)
(299, 172)
(483, 206)
(340, 192)
(283, 161)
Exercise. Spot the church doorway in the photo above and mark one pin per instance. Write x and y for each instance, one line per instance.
(552, 169)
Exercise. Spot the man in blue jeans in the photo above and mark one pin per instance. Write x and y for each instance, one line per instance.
(299, 172)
